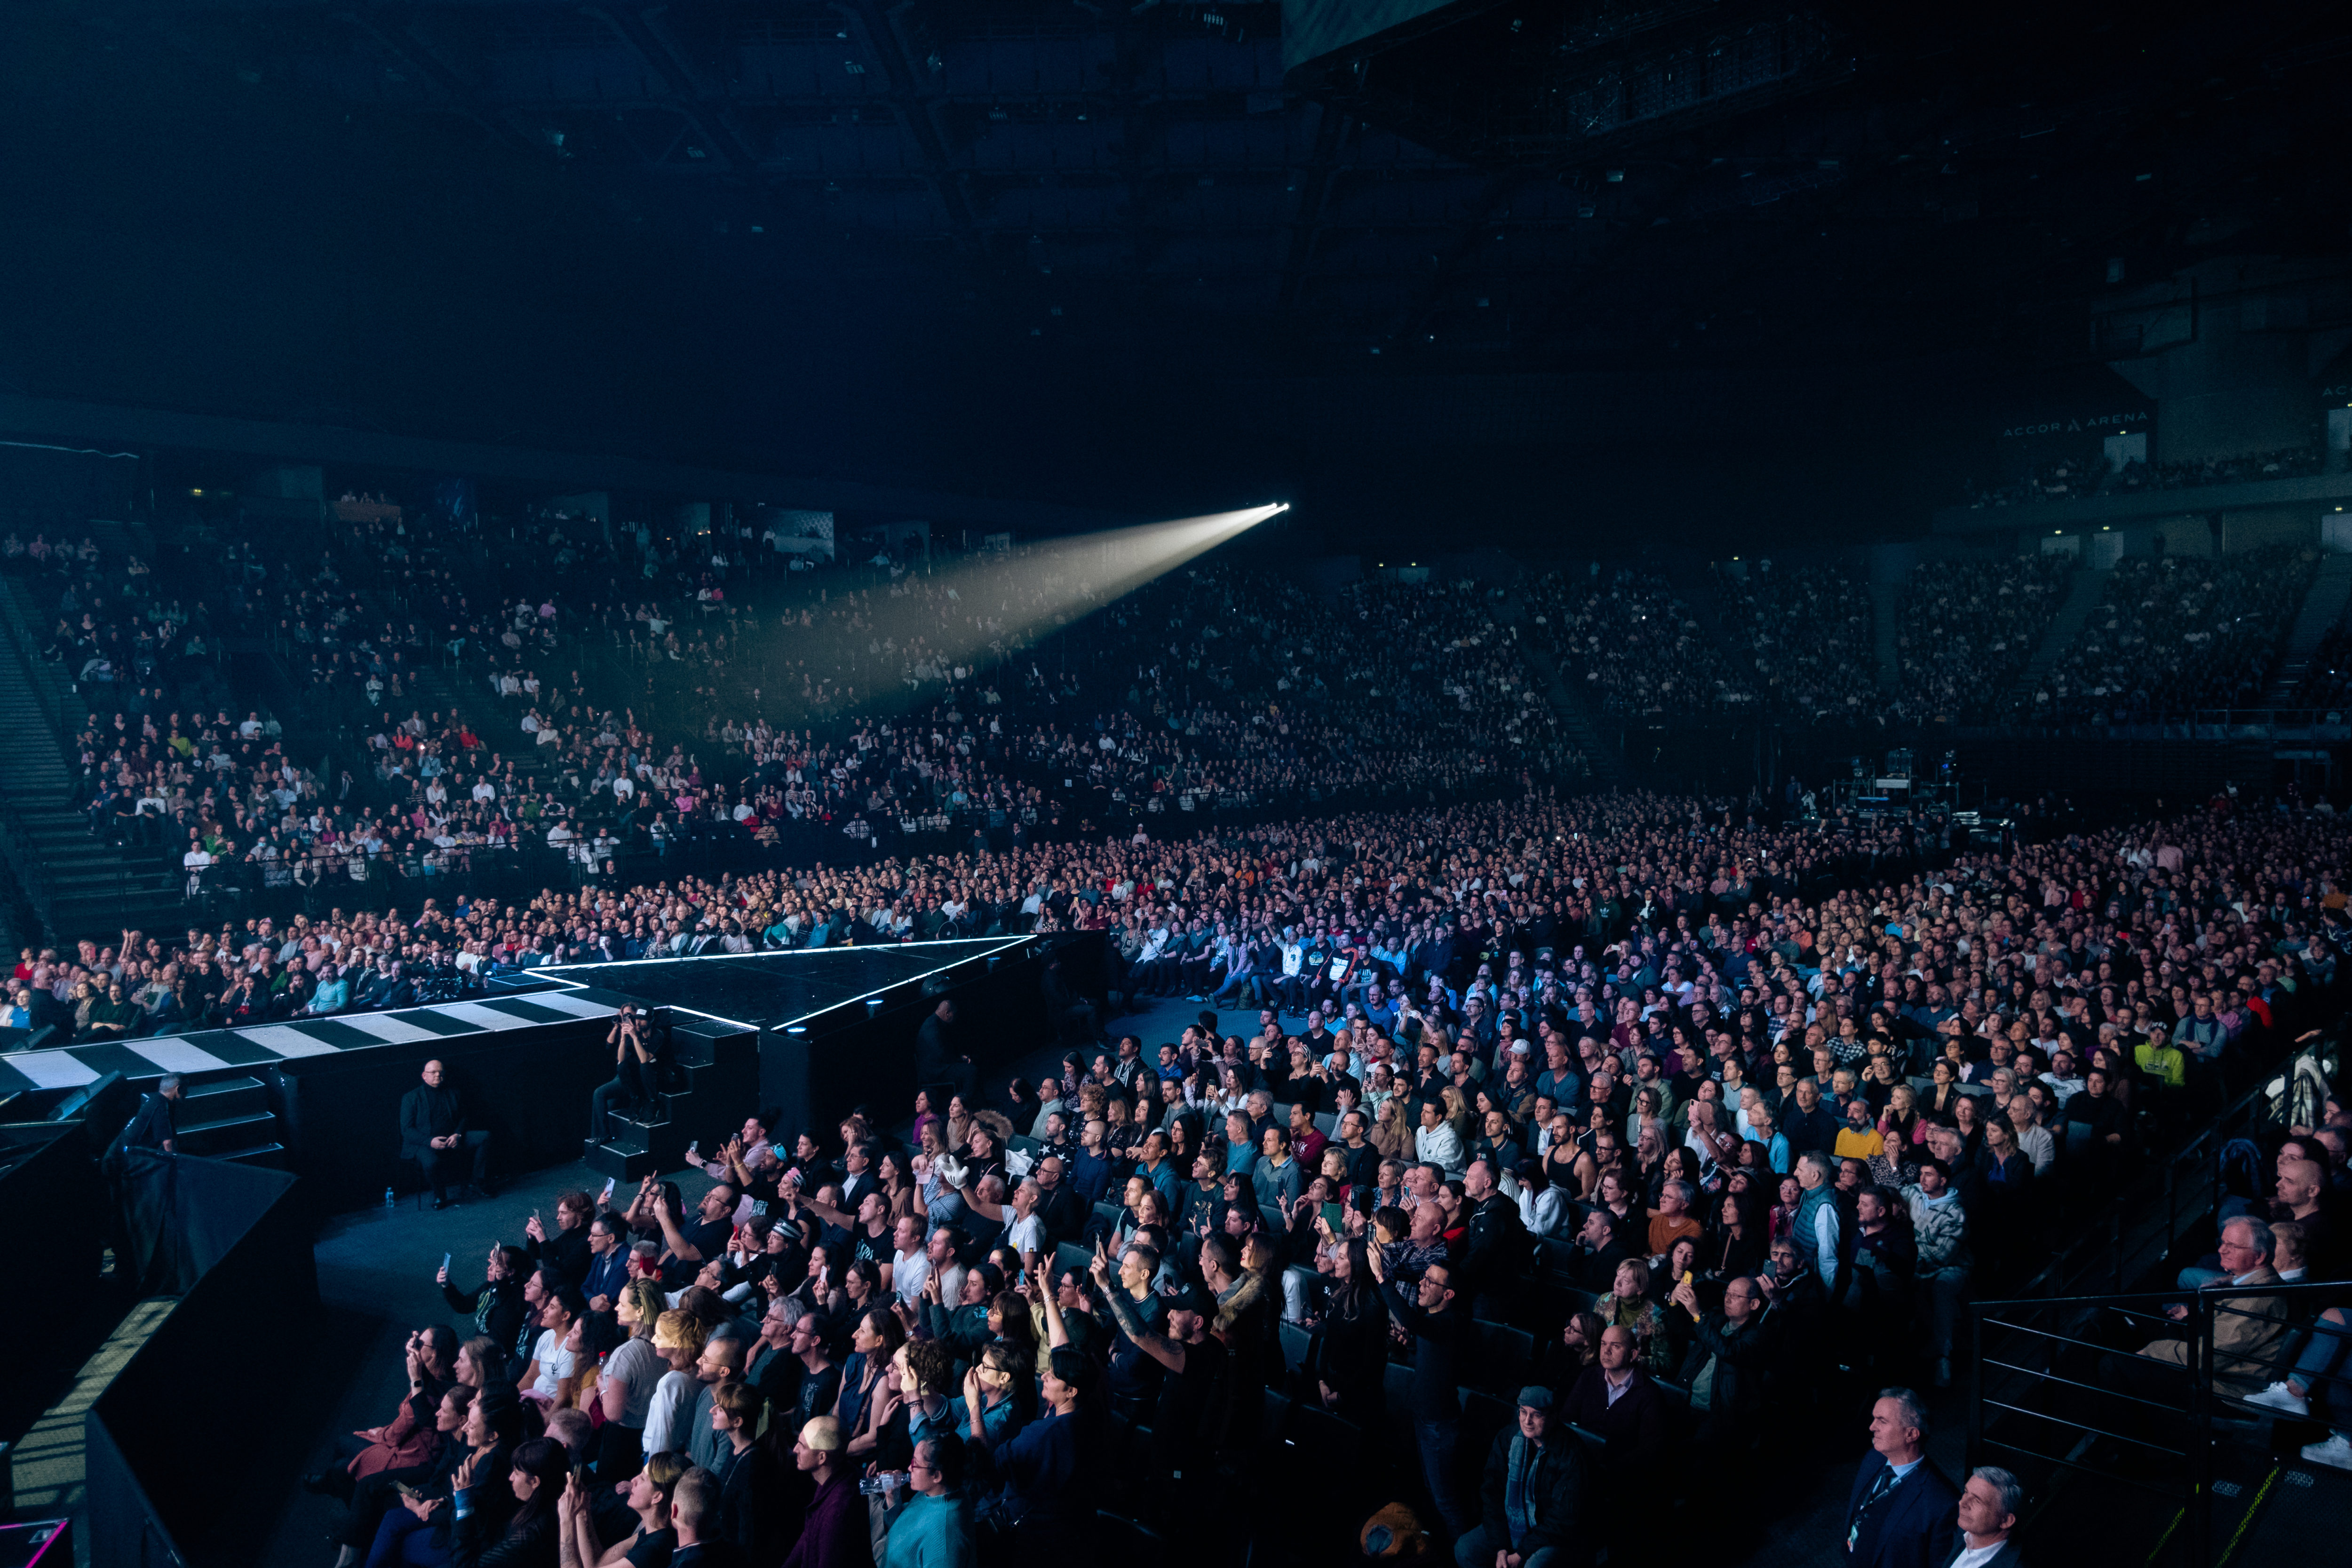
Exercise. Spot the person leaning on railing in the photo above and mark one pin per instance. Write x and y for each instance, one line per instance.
(2248, 1329)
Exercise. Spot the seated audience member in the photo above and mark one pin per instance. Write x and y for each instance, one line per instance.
(2248, 1337)
(433, 1133)
(1534, 1510)
(833, 1535)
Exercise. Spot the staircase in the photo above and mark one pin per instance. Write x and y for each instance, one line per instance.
(1609, 770)
(2322, 606)
(230, 1119)
(76, 883)
(713, 1069)
(2084, 592)
(1884, 598)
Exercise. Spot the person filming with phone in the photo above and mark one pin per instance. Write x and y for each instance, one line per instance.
(635, 1077)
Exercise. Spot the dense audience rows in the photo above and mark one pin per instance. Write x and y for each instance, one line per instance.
(2174, 632)
(1809, 627)
(1636, 1148)
(1965, 627)
(2079, 478)
(1634, 648)
(593, 723)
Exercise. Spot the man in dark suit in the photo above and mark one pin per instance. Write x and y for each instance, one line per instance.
(156, 1126)
(1988, 1512)
(433, 1131)
(1903, 1511)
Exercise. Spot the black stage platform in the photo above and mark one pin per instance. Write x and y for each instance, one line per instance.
(767, 990)
(835, 1030)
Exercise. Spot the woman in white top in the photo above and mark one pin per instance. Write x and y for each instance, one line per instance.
(678, 1338)
(632, 1374)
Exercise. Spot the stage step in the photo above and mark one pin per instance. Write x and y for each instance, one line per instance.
(210, 1137)
(227, 1097)
(269, 1156)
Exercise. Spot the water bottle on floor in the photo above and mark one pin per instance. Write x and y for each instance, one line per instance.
(389, 1200)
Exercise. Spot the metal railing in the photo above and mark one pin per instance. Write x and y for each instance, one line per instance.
(2048, 1378)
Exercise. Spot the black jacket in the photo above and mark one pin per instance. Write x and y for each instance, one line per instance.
(751, 1505)
(1637, 1428)
(1909, 1525)
(1744, 1359)
(565, 1251)
(1497, 1248)
(496, 1308)
(1555, 1498)
(427, 1113)
(156, 1122)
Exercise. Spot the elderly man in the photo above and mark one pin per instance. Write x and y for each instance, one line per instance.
(1533, 1497)
(2247, 1335)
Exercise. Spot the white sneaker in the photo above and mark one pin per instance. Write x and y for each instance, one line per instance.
(2279, 1396)
(2335, 1451)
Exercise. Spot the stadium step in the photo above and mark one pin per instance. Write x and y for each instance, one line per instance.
(2322, 606)
(1885, 601)
(2084, 591)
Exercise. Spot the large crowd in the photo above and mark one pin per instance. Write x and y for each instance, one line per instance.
(1965, 629)
(1591, 1169)
(2078, 478)
(2176, 633)
(1809, 630)
(621, 712)
(1592, 1162)
(1634, 648)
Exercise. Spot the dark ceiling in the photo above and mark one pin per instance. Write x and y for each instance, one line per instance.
(944, 235)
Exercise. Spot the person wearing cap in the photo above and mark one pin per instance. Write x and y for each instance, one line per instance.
(1533, 1496)
(1188, 1400)
(835, 1533)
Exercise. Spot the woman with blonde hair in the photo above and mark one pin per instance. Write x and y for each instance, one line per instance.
(1458, 1114)
(632, 1374)
(678, 1338)
(1390, 1134)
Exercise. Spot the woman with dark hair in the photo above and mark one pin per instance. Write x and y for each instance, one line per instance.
(962, 1328)
(408, 1440)
(373, 1496)
(1579, 1346)
(1010, 1322)
(1000, 1394)
(874, 1338)
(1035, 1473)
(535, 1476)
(1348, 1356)
(1737, 1242)
(494, 1425)
(895, 1185)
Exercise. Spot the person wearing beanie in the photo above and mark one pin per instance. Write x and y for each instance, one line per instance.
(1533, 1497)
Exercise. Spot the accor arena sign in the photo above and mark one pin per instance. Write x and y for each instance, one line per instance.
(2116, 424)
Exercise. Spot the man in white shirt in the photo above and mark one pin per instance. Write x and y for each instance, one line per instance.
(1988, 1512)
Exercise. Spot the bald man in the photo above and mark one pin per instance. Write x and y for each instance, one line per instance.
(434, 1134)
